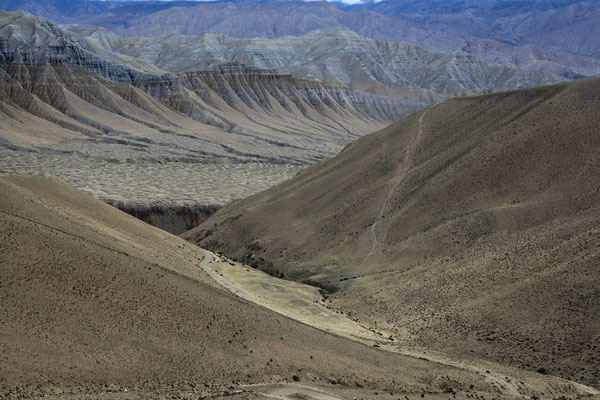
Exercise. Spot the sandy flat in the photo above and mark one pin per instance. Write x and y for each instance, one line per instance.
(167, 184)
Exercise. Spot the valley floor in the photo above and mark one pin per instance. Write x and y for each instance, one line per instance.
(140, 297)
(282, 391)
(152, 184)
(308, 305)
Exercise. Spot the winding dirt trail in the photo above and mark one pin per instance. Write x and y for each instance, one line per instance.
(298, 301)
(305, 304)
(407, 164)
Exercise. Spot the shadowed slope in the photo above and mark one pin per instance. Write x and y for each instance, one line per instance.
(470, 227)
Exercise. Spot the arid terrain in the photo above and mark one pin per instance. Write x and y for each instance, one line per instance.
(160, 318)
(173, 196)
(335, 55)
(147, 314)
(558, 37)
(71, 109)
(129, 119)
(300, 200)
(469, 228)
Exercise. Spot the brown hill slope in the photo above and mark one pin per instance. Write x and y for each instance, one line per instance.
(92, 297)
(470, 227)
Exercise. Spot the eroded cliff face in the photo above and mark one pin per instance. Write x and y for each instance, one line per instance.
(262, 89)
(107, 122)
(42, 63)
(173, 219)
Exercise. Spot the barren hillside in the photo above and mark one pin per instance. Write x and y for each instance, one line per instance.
(95, 301)
(470, 227)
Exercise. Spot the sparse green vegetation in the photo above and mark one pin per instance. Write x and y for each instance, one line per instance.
(324, 288)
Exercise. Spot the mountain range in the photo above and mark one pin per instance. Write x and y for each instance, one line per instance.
(393, 199)
(83, 105)
(336, 55)
(555, 37)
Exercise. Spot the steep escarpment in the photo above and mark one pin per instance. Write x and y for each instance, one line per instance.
(470, 227)
(261, 88)
(175, 219)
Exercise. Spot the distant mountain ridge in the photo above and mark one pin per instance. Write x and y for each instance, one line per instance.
(559, 40)
(559, 37)
(335, 55)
